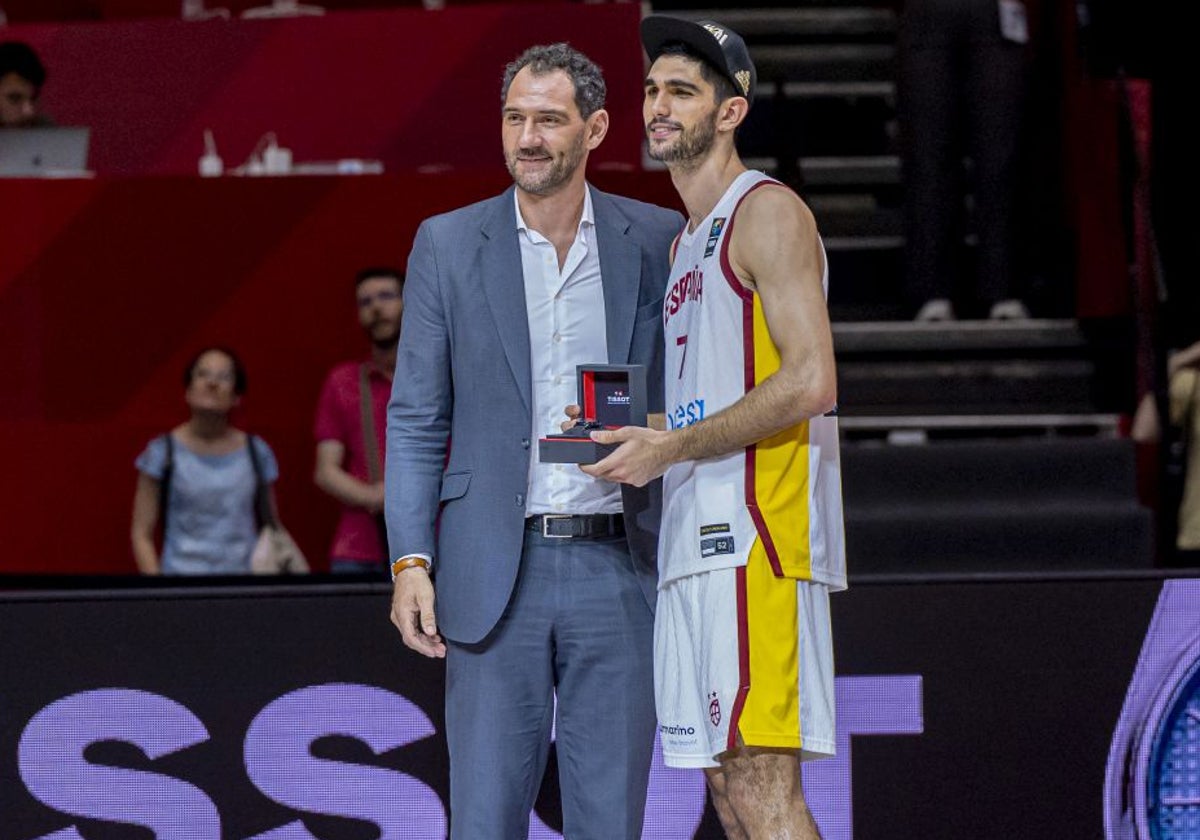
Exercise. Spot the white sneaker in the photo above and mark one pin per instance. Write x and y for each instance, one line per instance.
(938, 309)
(1009, 310)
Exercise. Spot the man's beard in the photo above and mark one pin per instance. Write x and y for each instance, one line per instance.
(548, 180)
(384, 339)
(690, 146)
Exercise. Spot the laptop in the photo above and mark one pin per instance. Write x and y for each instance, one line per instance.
(44, 152)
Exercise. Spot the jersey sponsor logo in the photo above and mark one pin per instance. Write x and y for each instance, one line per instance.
(716, 528)
(714, 236)
(675, 729)
(685, 414)
(689, 287)
(678, 736)
(713, 546)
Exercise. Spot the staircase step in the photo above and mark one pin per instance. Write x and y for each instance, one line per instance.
(848, 89)
(843, 170)
(955, 337)
(861, 219)
(919, 429)
(1003, 386)
(754, 24)
(1002, 539)
(993, 472)
(795, 128)
(848, 62)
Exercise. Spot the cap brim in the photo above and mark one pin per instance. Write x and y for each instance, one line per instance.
(659, 30)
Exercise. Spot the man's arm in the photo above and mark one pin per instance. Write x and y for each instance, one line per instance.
(417, 433)
(331, 477)
(775, 251)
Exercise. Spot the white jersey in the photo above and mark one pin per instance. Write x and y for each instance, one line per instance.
(784, 490)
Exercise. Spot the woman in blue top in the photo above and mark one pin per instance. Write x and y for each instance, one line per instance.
(210, 525)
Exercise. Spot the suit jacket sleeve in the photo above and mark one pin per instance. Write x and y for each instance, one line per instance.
(418, 423)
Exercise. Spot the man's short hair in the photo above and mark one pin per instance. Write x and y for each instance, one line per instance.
(18, 57)
(585, 74)
(722, 88)
(371, 272)
(239, 369)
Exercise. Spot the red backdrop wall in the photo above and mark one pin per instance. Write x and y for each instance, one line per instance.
(418, 90)
(107, 288)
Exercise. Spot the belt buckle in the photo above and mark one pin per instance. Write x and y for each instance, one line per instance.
(546, 518)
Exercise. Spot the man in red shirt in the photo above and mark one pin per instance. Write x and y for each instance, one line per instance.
(350, 425)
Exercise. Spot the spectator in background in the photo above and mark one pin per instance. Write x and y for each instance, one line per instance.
(21, 78)
(350, 425)
(962, 68)
(1184, 371)
(202, 479)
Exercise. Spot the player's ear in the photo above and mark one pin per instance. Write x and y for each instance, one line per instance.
(597, 128)
(732, 113)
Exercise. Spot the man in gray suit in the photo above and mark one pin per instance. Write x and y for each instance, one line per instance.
(544, 577)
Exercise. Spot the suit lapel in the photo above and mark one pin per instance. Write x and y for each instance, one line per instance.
(504, 287)
(621, 273)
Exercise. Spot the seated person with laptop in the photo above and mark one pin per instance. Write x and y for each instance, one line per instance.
(39, 149)
(21, 78)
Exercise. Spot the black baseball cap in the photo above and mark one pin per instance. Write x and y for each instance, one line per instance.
(720, 46)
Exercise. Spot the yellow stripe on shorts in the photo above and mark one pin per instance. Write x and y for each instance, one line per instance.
(769, 646)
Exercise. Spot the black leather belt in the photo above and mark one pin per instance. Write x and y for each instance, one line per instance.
(567, 526)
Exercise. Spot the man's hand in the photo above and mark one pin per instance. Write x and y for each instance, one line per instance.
(643, 455)
(573, 413)
(374, 498)
(412, 612)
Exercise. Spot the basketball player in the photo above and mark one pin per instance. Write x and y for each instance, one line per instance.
(751, 542)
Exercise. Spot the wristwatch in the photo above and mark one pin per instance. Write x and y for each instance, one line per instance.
(1152, 782)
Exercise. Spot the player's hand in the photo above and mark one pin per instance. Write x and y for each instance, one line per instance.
(643, 455)
(573, 413)
(412, 612)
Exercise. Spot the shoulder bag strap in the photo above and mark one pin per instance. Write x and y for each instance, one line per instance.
(366, 408)
(164, 483)
(262, 500)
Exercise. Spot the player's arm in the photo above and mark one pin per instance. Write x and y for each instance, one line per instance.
(332, 477)
(774, 250)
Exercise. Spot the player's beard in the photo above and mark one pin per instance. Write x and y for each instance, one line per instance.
(690, 146)
(550, 179)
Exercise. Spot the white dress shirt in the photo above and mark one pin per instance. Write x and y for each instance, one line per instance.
(566, 328)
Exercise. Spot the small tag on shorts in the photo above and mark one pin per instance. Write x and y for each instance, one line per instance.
(715, 528)
(716, 545)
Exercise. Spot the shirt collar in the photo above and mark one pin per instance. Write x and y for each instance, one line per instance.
(588, 218)
(375, 370)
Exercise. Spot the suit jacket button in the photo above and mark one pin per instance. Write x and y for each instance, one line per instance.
(520, 500)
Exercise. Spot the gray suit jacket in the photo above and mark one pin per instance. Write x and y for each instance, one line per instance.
(459, 422)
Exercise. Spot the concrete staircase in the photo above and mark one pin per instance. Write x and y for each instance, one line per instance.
(824, 122)
(967, 447)
(983, 447)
